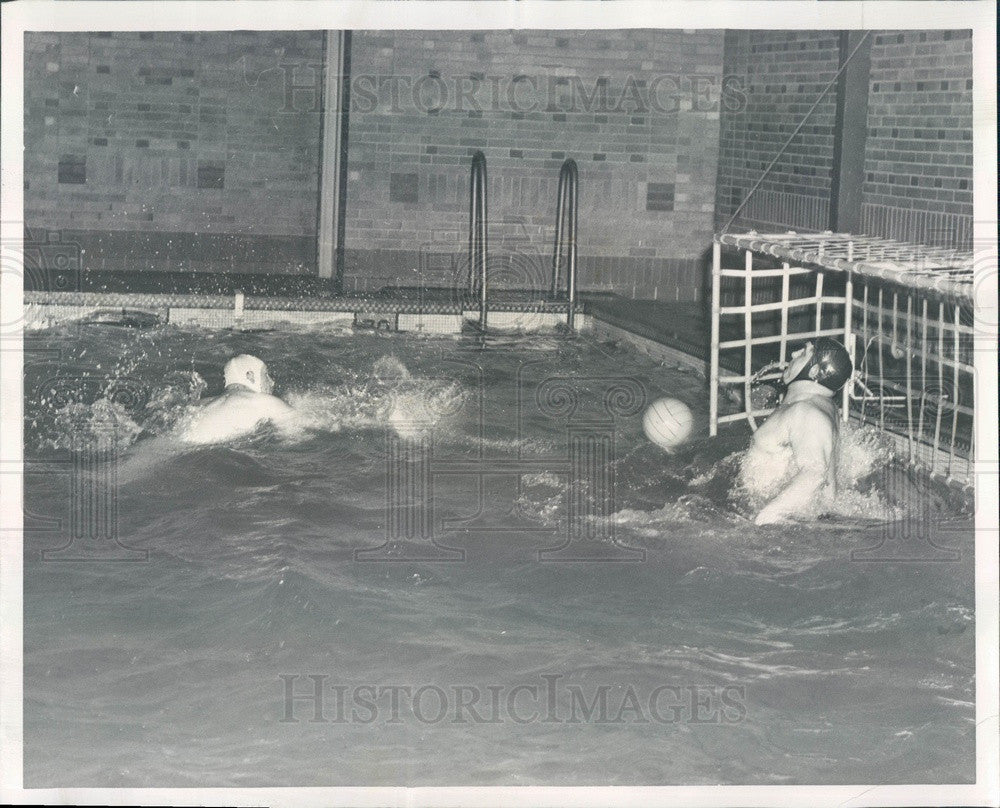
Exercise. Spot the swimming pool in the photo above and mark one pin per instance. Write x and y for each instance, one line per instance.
(410, 553)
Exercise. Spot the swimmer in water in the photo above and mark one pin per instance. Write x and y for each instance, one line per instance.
(800, 437)
(245, 404)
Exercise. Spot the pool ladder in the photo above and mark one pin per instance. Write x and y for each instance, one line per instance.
(477, 235)
(566, 218)
(565, 241)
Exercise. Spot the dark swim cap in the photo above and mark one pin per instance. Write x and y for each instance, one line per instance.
(833, 363)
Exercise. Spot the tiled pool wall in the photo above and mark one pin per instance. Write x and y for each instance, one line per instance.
(46, 309)
(43, 310)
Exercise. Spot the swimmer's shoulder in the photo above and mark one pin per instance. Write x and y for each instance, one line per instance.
(812, 413)
(274, 405)
(239, 394)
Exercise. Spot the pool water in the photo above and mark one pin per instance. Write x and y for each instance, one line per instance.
(689, 647)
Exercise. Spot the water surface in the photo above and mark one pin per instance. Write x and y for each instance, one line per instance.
(770, 655)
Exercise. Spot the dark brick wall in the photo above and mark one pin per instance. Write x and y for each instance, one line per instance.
(918, 161)
(174, 150)
(646, 154)
(918, 157)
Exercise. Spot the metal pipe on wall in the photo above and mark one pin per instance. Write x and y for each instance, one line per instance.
(566, 223)
(478, 234)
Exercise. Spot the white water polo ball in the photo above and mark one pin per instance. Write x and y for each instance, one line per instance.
(668, 422)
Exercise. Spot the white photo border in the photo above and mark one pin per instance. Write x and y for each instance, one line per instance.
(179, 15)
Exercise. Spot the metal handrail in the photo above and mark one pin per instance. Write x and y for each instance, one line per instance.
(477, 233)
(566, 221)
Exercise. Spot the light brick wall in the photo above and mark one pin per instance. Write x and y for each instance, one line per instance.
(521, 97)
(918, 156)
(918, 161)
(780, 74)
(148, 117)
(141, 114)
(144, 113)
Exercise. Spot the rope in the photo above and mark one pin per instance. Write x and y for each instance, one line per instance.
(798, 128)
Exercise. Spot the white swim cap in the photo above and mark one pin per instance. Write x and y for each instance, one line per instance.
(246, 370)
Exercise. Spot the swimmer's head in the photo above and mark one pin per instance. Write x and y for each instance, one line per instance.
(825, 362)
(248, 371)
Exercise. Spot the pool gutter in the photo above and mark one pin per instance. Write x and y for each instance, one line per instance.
(44, 310)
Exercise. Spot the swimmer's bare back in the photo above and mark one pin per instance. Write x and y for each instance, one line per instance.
(791, 419)
(804, 433)
(238, 411)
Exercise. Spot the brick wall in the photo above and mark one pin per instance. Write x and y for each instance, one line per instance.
(918, 156)
(174, 150)
(637, 110)
(918, 161)
(780, 74)
(183, 151)
(186, 150)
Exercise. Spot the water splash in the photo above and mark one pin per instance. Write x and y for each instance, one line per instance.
(104, 422)
(388, 396)
(389, 370)
(116, 418)
(169, 404)
(687, 508)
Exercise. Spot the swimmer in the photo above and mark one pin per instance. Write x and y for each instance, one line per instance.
(800, 437)
(246, 404)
